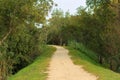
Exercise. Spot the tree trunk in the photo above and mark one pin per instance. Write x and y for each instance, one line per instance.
(61, 42)
(3, 67)
(3, 70)
(5, 37)
(111, 65)
(119, 9)
(100, 60)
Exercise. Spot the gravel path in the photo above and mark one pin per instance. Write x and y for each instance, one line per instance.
(62, 68)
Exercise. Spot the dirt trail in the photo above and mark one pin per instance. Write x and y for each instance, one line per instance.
(62, 68)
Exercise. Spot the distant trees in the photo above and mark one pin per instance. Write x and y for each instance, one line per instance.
(19, 38)
(63, 28)
(57, 23)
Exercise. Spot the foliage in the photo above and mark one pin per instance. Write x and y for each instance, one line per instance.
(96, 27)
(57, 21)
(19, 37)
(91, 66)
(36, 71)
(80, 47)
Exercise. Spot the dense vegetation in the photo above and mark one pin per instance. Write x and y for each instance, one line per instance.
(20, 40)
(97, 27)
(38, 69)
(89, 64)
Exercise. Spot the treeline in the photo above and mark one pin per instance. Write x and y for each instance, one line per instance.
(97, 27)
(20, 40)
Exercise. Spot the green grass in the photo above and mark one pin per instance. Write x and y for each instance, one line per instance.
(91, 66)
(35, 71)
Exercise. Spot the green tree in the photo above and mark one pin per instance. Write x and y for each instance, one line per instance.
(16, 35)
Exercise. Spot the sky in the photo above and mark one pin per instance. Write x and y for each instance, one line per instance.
(70, 5)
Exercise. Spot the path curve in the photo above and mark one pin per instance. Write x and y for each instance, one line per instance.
(62, 68)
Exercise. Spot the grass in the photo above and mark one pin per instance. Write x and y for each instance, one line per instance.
(91, 66)
(35, 71)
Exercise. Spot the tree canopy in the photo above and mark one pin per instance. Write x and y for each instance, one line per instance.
(20, 39)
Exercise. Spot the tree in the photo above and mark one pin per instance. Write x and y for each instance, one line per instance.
(105, 11)
(16, 15)
(56, 23)
(14, 11)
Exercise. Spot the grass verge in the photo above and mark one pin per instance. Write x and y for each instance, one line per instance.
(35, 71)
(91, 66)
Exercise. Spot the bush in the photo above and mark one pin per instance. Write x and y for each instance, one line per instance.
(83, 49)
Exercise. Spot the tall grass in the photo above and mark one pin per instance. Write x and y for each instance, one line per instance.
(84, 50)
(83, 56)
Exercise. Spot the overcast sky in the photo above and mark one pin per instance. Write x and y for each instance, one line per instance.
(70, 5)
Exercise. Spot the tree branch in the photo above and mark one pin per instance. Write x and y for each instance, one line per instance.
(5, 37)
